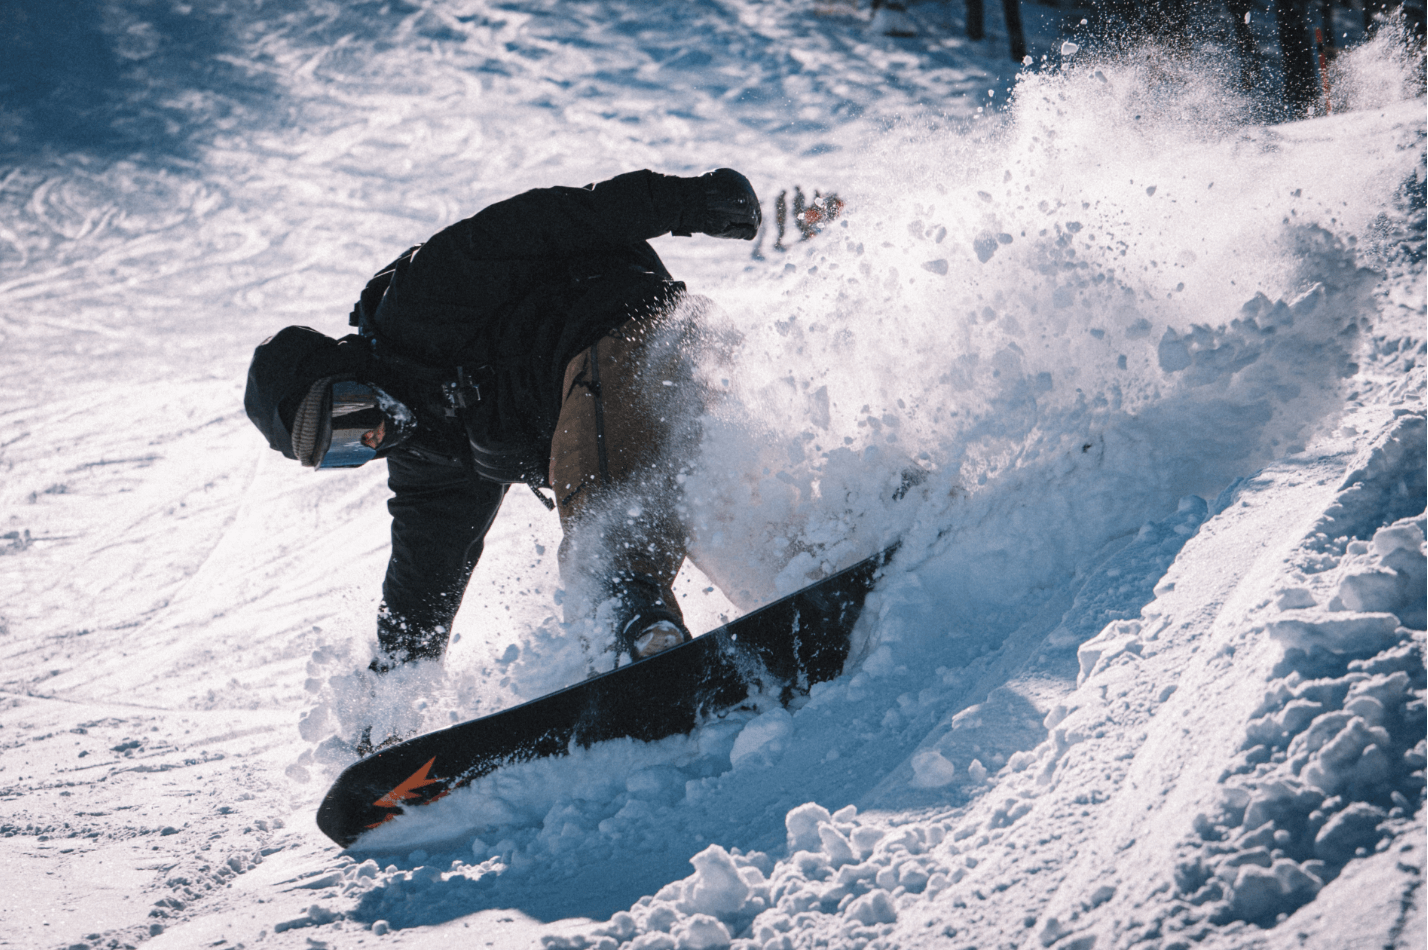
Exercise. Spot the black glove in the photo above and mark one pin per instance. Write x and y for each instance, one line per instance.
(721, 204)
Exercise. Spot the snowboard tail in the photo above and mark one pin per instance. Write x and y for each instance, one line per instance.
(784, 647)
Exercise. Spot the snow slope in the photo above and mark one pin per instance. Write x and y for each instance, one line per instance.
(1148, 668)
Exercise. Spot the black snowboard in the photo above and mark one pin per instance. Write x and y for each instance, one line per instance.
(781, 649)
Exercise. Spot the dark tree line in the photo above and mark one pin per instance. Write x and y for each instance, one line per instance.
(1303, 28)
(976, 22)
(976, 25)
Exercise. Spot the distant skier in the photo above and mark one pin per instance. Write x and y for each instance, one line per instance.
(541, 341)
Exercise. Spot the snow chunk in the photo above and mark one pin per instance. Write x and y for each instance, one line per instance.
(763, 738)
(880, 663)
(836, 847)
(1114, 641)
(662, 916)
(701, 932)
(1260, 894)
(930, 769)
(865, 838)
(655, 940)
(1336, 632)
(1402, 536)
(1353, 828)
(802, 824)
(716, 888)
(1021, 760)
(1370, 591)
(316, 916)
(875, 907)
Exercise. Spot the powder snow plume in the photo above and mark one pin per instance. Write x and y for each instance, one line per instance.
(1118, 284)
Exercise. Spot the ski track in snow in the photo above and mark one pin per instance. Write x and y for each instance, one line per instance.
(1148, 668)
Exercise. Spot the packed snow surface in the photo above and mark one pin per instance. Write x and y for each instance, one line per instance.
(1147, 670)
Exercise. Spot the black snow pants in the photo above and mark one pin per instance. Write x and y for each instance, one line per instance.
(440, 516)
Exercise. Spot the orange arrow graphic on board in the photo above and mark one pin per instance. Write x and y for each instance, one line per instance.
(407, 789)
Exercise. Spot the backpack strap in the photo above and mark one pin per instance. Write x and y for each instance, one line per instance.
(365, 309)
(452, 391)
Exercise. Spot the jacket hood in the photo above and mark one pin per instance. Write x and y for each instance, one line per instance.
(285, 367)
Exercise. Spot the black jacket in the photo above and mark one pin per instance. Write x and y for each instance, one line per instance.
(514, 292)
(511, 295)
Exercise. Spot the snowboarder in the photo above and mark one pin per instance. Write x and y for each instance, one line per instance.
(541, 341)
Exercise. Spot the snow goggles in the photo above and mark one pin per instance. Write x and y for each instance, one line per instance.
(365, 420)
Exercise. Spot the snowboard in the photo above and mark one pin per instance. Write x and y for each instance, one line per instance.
(781, 649)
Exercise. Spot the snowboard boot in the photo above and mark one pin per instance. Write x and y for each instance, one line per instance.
(652, 631)
(656, 638)
(647, 619)
(364, 746)
(377, 706)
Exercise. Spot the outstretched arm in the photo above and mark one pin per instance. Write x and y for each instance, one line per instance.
(564, 222)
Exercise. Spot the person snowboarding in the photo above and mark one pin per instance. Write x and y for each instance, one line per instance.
(541, 341)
